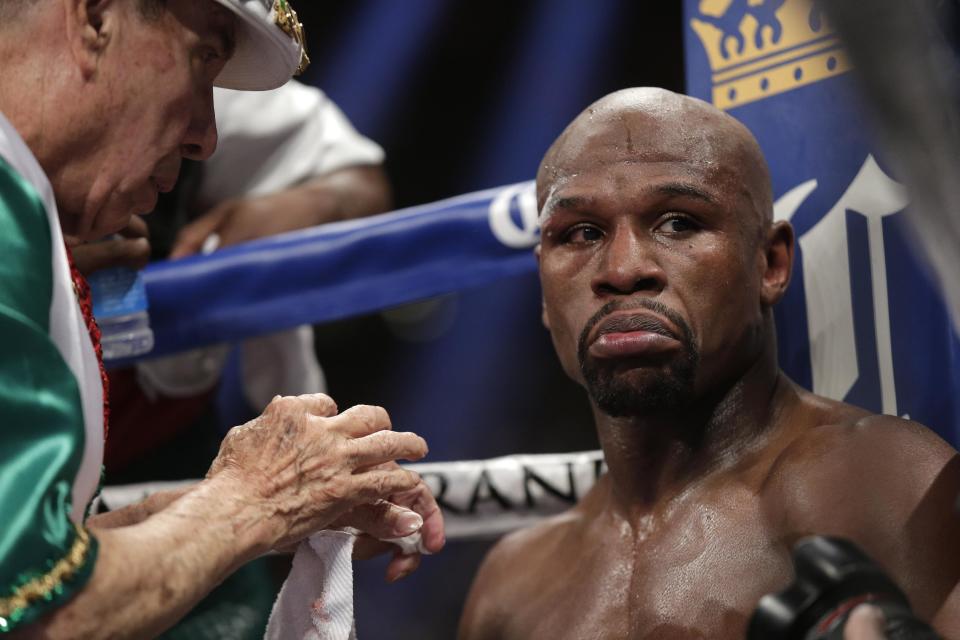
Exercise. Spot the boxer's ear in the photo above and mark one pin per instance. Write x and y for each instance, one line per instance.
(544, 317)
(89, 27)
(776, 262)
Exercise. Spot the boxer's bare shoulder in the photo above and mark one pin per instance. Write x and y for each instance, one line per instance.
(543, 564)
(888, 483)
(840, 452)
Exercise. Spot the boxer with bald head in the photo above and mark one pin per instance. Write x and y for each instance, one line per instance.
(660, 264)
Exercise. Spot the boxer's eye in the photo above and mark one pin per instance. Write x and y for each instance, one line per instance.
(676, 224)
(582, 234)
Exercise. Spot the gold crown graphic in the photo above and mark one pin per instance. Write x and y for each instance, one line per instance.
(760, 48)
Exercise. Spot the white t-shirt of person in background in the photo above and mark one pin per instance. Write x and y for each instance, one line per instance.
(268, 141)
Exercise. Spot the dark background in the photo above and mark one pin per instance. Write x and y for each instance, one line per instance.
(465, 96)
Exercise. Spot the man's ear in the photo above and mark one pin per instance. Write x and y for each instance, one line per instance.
(85, 31)
(544, 317)
(777, 263)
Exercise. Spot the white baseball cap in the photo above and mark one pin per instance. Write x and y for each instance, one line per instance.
(270, 46)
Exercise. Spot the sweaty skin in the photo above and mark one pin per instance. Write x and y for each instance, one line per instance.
(657, 215)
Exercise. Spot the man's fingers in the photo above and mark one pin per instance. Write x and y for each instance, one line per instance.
(319, 404)
(385, 446)
(136, 228)
(132, 253)
(424, 503)
(191, 238)
(361, 420)
(382, 519)
(865, 623)
(379, 483)
(434, 535)
(367, 547)
(401, 566)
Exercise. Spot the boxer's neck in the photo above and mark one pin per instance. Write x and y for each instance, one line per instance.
(654, 457)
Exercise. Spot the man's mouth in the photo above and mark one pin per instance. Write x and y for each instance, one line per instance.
(632, 335)
(163, 184)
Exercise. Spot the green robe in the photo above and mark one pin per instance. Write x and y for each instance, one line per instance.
(51, 411)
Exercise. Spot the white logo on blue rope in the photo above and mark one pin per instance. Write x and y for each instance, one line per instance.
(514, 218)
(827, 281)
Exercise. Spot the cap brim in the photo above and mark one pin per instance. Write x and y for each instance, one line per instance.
(264, 56)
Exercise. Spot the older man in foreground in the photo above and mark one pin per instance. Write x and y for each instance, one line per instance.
(99, 101)
(661, 263)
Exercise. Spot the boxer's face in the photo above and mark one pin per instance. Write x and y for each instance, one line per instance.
(650, 261)
(154, 80)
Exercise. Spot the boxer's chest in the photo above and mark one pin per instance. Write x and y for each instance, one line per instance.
(698, 575)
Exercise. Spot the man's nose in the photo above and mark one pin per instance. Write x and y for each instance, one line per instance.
(628, 264)
(200, 141)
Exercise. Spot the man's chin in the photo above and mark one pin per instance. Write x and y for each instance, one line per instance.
(110, 222)
(638, 392)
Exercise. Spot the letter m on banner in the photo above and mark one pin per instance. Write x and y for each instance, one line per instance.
(862, 321)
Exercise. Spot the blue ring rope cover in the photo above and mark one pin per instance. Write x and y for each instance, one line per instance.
(343, 269)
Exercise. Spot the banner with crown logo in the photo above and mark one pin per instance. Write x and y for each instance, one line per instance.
(862, 321)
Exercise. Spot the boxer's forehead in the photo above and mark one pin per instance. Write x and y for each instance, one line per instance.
(656, 128)
(616, 153)
(605, 137)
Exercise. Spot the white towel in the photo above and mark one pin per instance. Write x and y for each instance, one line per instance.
(316, 601)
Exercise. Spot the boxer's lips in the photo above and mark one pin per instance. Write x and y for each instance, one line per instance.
(632, 336)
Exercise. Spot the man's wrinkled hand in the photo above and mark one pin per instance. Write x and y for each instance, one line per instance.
(303, 466)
